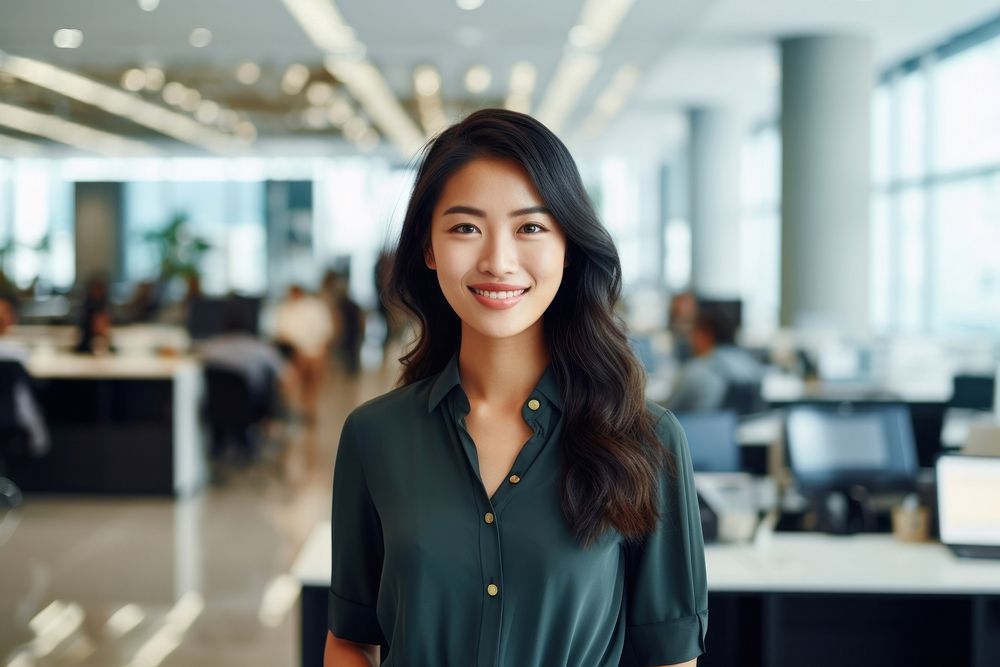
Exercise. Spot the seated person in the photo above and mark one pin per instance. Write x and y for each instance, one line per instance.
(27, 414)
(717, 364)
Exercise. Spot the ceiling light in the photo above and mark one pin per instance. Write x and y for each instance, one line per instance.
(522, 84)
(200, 37)
(116, 101)
(599, 21)
(154, 77)
(369, 87)
(295, 79)
(469, 5)
(148, 5)
(324, 25)
(355, 127)
(319, 93)
(339, 111)
(477, 79)
(426, 81)
(315, 118)
(67, 38)
(248, 73)
(134, 80)
(173, 93)
(73, 134)
(246, 131)
(228, 119)
(208, 112)
(190, 100)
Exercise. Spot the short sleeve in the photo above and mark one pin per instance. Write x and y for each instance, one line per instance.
(356, 565)
(666, 585)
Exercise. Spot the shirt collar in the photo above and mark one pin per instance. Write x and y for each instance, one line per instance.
(448, 378)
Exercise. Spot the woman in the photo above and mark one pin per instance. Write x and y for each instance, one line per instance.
(516, 501)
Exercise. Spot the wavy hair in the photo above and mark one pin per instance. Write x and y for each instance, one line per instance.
(612, 458)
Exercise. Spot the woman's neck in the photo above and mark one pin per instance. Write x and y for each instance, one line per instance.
(502, 372)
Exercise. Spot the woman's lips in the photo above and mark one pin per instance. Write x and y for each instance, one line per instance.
(498, 299)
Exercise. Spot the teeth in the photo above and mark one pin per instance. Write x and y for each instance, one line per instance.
(510, 294)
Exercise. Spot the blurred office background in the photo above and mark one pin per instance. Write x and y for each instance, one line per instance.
(820, 178)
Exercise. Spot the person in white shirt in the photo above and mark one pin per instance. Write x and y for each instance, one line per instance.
(303, 323)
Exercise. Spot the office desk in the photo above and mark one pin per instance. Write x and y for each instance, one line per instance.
(800, 599)
(119, 424)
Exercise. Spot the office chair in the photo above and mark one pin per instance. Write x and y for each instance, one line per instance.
(972, 392)
(233, 410)
(744, 398)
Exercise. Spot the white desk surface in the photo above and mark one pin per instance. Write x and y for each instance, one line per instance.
(790, 563)
(83, 366)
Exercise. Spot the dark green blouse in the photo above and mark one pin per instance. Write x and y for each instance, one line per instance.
(440, 574)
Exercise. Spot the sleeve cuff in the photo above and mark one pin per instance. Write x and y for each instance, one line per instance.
(667, 642)
(352, 621)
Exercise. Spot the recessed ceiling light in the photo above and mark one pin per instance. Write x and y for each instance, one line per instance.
(200, 37)
(469, 5)
(295, 79)
(154, 77)
(148, 5)
(355, 127)
(67, 38)
(340, 110)
(248, 73)
(315, 118)
(134, 80)
(208, 112)
(173, 93)
(190, 100)
(477, 79)
(246, 131)
(319, 93)
(426, 81)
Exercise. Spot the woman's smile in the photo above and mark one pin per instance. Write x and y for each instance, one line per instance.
(498, 296)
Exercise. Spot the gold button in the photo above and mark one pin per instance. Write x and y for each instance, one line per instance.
(514, 479)
(493, 590)
(534, 404)
(488, 518)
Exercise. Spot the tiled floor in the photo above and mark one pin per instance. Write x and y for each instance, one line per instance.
(108, 582)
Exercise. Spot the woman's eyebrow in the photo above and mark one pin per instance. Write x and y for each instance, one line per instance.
(479, 213)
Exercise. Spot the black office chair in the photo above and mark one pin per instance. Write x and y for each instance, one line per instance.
(973, 392)
(744, 398)
(14, 439)
(234, 411)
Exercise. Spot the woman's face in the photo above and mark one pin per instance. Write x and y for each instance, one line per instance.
(498, 253)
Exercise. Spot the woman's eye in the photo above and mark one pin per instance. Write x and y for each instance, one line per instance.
(464, 229)
(532, 228)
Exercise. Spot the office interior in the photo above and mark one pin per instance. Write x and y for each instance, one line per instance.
(821, 176)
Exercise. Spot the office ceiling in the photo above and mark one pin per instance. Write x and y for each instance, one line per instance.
(689, 52)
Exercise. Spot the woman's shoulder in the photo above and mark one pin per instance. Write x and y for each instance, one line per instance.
(401, 410)
(665, 423)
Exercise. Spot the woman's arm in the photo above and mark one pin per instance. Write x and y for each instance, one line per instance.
(342, 653)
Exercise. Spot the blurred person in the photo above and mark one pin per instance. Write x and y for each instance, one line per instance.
(717, 364)
(350, 324)
(95, 331)
(391, 316)
(515, 500)
(304, 324)
(27, 413)
(683, 311)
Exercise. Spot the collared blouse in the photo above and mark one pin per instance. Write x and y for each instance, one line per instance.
(440, 574)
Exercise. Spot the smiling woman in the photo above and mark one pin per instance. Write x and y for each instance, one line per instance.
(515, 501)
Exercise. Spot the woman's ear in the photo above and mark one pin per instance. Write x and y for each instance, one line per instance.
(429, 258)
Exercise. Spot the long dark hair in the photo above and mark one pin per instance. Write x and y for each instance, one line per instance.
(612, 459)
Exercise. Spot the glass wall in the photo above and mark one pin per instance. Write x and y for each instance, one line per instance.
(936, 199)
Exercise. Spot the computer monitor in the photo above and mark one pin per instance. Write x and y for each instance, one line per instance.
(711, 438)
(840, 446)
(968, 497)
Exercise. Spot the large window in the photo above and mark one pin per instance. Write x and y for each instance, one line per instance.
(936, 200)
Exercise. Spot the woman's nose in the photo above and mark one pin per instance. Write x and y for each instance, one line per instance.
(499, 256)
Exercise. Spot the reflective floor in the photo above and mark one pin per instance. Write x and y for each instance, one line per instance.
(130, 582)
